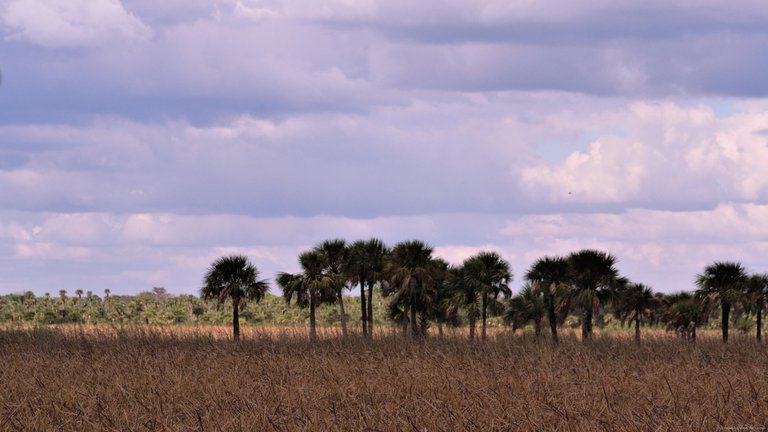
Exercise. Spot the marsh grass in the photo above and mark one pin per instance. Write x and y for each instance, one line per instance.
(142, 378)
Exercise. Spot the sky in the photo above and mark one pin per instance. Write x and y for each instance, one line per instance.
(140, 140)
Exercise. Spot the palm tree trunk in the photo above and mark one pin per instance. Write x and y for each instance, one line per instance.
(637, 326)
(485, 306)
(423, 326)
(363, 309)
(370, 309)
(343, 313)
(726, 309)
(760, 306)
(472, 320)
(586, 326)
(236, 317)
(440, 328)
(552, 317)
(414, 324)
(312, 329)
(537, 327)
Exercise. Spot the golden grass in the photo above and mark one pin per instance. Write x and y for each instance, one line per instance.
(194, 379)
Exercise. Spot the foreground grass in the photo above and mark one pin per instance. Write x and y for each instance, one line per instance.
(156, 379)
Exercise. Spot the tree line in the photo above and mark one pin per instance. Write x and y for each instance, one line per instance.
(423, 290)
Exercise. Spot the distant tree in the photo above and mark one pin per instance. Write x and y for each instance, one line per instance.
(107, 292)
(160, 293)
(63, 295)
(444, 310)
(489, 275)
(634, 301)
(410, 281)
(79, 294)
(593, 275)
(310, 288)
(527, 306)
(757, 291)
(334, 256)
(684, 313)
(463, 296)
(234, 277)
(723, 282)
(365, 266)
(549, 276)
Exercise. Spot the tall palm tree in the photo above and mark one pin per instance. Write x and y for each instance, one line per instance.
(634, 301)
(462, 296)
(334, 253)
(757, 290)
(310, 288)
(440, 310)
(527, 306)
(410, 281)
(365, 266)
(549, 275)
(723, 281)
(489, 275)
(593, 274)
(234, 277)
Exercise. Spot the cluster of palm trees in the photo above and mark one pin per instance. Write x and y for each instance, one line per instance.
(424, 290)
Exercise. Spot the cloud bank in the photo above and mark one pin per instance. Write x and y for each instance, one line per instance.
(139, 140)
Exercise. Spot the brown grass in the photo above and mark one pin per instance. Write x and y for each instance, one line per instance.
(195, 379)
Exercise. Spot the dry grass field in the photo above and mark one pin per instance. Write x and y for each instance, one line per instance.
(192, 379)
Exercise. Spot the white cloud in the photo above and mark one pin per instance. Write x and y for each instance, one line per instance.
(663, 153)
(72, 23)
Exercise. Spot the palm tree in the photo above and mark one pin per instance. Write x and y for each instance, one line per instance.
(549, 275)
(234, 277)
(462, 296)
(757, 290)
(310, 288)
(634, 301)
(439, 309)
(723, 281)
(489, 275)
(593, 274)
(683, 314)
(334, 253)
(527, 306)
(410, 280)
(365, 266)
(79, 294)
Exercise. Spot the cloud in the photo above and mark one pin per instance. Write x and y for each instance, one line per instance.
(204, 61)
(133, 252)
(667, 153)
(471, 155)
(141, 139)
(72, 23)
